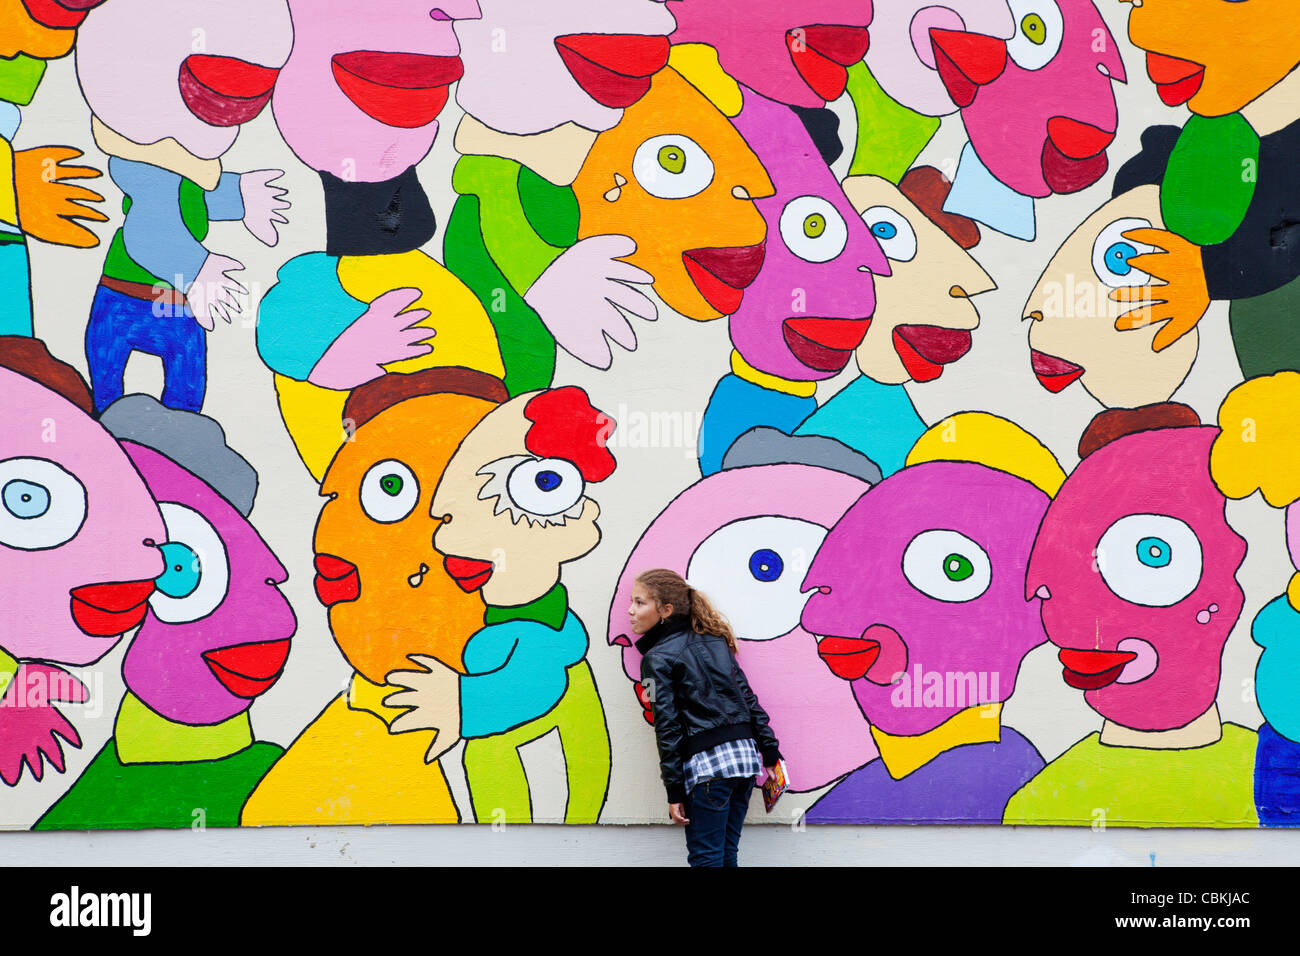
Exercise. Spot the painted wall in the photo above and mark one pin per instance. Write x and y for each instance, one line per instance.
(967, 362)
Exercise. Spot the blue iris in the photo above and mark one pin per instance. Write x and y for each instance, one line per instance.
(26, 499)
(547, 480)
(884, 230)
(765, 565)
(1154, 552)
(1118, 256)
(181, 577)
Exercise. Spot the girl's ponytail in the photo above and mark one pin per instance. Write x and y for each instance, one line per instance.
(669, 587)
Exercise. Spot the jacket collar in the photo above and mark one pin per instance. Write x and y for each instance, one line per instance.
(665, 628)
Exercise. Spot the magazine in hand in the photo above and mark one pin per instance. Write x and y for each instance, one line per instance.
(774, 786)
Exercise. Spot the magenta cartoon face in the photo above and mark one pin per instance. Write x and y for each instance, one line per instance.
(584, 62)
(744, 537)
(1136, 564)
(812, 302)
(794, 53)
(192, 70)
(218, 629)
(1039, 108)
(360, 95)
(77, 529)
(921, 585)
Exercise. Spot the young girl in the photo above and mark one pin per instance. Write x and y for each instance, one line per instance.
(713, 736)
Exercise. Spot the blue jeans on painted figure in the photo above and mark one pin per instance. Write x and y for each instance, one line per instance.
(716, 809)
(120, 324)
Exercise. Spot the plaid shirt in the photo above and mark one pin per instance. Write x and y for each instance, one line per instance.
(732, 758)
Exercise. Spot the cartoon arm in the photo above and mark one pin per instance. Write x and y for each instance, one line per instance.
(260, 204)
(30, 726)
(1180, 301)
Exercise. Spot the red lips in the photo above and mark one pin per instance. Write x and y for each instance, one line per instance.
(822, 53)
(967, 61)
(1090, 670)
(722, 274)
(336, 580)
(1055, 374)
(223, 90)
(613, 69)
(403, 90)
(60, 14)
(825, 345)
(926, 349)
(1074, 154)
(469, 573)
(848, 658)
(247, 670)
(647, 707)
(107, 610)
(1176, 80)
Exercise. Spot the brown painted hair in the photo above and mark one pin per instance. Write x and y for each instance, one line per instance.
(669, 587)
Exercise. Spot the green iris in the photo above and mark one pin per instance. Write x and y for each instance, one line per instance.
(957, 567)
(1034, 28)
(672, 159)
(814, 225)
(392, 485)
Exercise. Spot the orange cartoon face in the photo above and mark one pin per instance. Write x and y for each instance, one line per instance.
(387, 591)
(677, 178)
(42, 29)
(1213, 55)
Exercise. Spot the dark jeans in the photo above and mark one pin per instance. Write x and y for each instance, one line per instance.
(716, 809)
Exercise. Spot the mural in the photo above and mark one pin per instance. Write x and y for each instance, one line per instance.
(948, 347)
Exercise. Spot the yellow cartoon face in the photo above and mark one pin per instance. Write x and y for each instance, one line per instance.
(1073, 336)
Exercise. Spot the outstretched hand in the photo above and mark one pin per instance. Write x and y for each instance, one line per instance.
(1180, 302)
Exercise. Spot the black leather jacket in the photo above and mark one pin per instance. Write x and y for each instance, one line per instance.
(700, 698)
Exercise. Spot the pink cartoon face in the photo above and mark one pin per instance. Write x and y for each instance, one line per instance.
(812, 302)
(217, 633)
(360, 94)
(920, 593)
(192, 70)
(744, 537)
(901, 57)
(1139, 564)
(794, 53)
(1039, 108)
(584, 62)
(77, 527)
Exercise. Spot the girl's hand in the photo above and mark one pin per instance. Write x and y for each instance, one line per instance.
(678, 812)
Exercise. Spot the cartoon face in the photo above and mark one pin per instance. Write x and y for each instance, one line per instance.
(937, 596)
(924, 313)
(142, 72)
(813, 299)
(77, 529)
(901, 57)
(1141, 578)
(43, 29)
(514, 501)
(796, 54)
(376, 567)
(677, 177)
(217, 634)
(1194, 50)
(360, 94)
(584, 62)
(745, 537)
(1039, 108)
(1073, 337)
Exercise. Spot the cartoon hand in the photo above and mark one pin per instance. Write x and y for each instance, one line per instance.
(263, 204)
(29, 723)
(386, 332)
(48, 207)
(577, 296)
(212, 293)
(433, 695)
(1180, 302)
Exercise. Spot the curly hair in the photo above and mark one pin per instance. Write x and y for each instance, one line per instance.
(669, 587)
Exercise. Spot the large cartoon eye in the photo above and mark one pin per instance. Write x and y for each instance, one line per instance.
(547, 486)
(389, 491)
(947, 566)
(813, 229)
(1111, 253)
(1151, 560)
(197, 575)
(672, 167)
(892, 230)
(752, 570)
(1040, 27)
(41, 504)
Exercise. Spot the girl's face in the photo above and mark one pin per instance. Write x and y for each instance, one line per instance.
(644, 610)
